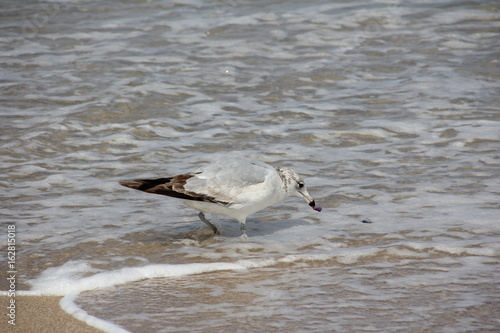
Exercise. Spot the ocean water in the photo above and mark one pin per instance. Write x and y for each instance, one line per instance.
(388, 109)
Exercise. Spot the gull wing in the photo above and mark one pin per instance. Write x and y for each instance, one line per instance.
(172, 187)
(223, 182)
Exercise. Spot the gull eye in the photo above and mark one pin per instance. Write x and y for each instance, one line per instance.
(301, 184)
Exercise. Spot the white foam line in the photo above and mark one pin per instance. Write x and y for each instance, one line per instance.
(125, 275)
(70, 289)
(131, 274)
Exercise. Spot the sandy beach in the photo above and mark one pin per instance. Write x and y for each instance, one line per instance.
(41, 314)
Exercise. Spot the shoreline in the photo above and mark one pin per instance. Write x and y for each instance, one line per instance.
(41, 314)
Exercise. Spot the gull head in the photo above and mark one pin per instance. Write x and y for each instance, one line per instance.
(294, 186)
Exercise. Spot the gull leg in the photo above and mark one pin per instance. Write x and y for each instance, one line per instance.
(243, 229)
(207, 222)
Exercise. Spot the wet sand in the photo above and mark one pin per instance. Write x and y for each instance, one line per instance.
(41, 314)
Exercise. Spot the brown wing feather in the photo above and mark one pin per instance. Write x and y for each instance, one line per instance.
(172, 187)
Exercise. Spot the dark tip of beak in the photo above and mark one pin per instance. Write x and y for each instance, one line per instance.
(312, 204)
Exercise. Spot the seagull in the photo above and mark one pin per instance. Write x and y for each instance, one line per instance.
(234, 187)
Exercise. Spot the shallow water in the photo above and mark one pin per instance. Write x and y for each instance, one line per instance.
(389, 110)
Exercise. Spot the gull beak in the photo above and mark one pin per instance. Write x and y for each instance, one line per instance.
(310, 201)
